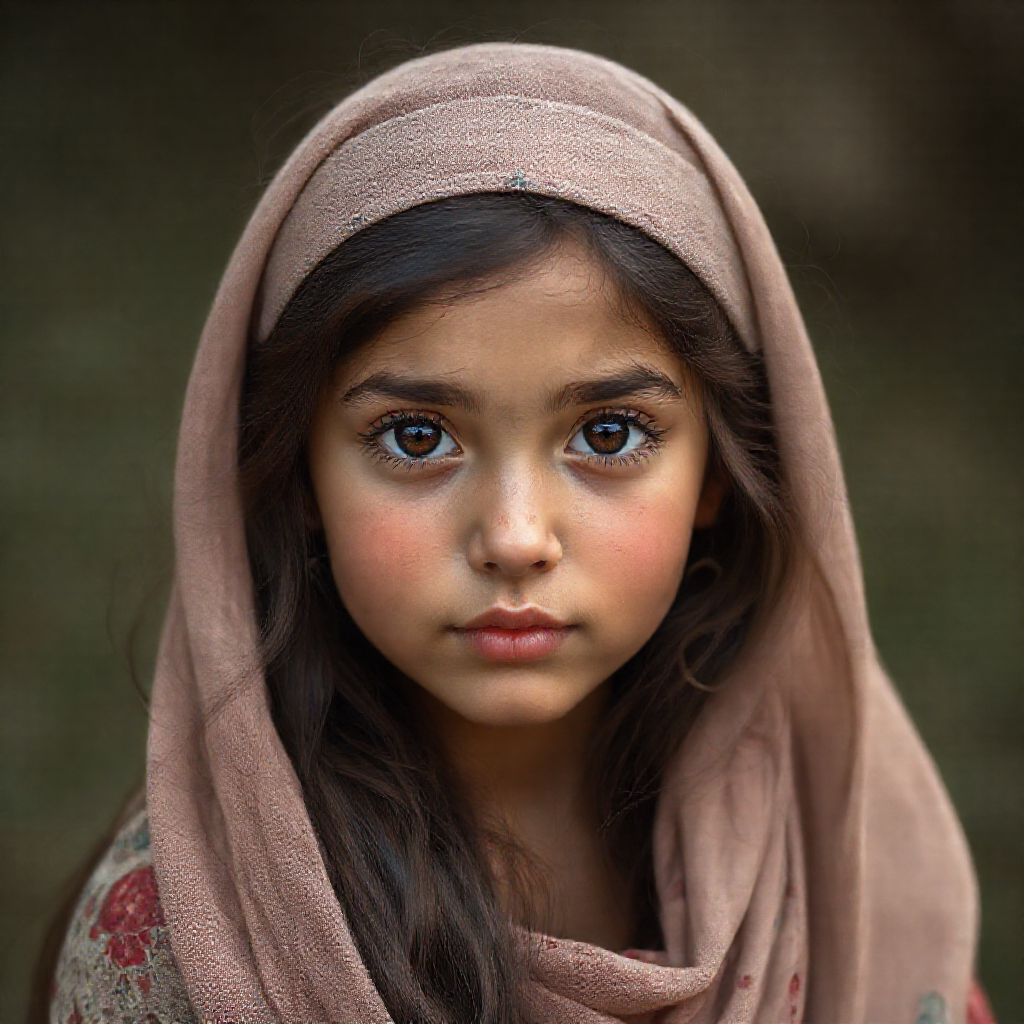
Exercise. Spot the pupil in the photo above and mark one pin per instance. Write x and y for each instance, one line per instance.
(607, 435)
(418, 438)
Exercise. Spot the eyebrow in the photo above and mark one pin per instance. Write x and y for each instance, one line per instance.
(408, 389)
(634, 381)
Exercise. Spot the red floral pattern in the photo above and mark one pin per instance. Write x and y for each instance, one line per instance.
(129, 914)
(794, 997)
(117, 963)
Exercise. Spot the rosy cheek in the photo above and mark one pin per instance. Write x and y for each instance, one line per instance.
(637, 553)
(385, 558)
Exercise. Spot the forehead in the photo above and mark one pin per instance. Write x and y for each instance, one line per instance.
(556, 318)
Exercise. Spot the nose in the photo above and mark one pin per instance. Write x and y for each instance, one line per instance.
(514, 536)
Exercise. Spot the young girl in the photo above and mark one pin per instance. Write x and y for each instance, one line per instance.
(517, 665)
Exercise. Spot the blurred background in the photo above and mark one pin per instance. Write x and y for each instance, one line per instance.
(884, 142)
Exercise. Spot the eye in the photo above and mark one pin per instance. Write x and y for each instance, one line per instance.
(614, 434)
(412, 438)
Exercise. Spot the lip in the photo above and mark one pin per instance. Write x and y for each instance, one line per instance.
(514, 634)
(527, 617)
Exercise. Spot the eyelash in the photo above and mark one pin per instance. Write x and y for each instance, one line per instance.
(376, 450)
(634, 417)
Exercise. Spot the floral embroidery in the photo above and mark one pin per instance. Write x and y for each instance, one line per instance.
(794, 997)
(117, 964)
(130, 912)
(518, 180)
(136, 839)
(932, 1009)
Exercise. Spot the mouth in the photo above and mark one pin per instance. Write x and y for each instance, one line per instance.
(514, 634)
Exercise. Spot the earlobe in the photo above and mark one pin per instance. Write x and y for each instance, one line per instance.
(716, 487)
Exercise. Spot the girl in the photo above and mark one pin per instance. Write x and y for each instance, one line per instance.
(517, 665)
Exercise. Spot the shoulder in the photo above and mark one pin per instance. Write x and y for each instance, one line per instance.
(116, 963)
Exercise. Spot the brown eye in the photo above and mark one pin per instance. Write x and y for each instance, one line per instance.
(415, 438)
(607, 435)
(616, 436)
(418, 439)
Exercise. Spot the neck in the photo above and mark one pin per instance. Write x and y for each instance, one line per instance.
(518, 779)
(521, 777)
(529, 788)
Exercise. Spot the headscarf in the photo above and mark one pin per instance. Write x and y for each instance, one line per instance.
(808, 863)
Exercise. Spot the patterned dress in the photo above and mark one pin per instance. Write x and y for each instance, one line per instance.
(116, 966)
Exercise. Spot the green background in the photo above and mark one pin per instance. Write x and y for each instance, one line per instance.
(884, 143)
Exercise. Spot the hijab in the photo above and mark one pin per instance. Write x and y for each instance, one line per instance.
(808, 862)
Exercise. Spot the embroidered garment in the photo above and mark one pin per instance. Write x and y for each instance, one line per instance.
(117, 965)
(808, 861)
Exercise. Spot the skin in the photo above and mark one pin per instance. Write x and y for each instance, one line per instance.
(519, 516)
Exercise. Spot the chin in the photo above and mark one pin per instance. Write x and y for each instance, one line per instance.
(516, 702)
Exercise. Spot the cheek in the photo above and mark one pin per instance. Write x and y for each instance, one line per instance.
(648, 545)
(384, 558)
(636, 555)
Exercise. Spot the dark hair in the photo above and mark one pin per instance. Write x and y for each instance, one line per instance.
(400, 847)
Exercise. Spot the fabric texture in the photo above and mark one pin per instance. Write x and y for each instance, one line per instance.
(116, 964)
(809, 864)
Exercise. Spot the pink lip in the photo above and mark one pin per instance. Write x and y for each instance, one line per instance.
(514, 634)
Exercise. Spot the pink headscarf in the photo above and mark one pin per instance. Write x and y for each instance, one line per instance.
(808, 862)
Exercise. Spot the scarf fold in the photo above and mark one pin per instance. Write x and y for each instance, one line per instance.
(808, 862)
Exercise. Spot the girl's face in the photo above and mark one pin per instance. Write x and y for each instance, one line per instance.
(508, 484)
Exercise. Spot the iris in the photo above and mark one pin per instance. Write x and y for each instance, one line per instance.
(607, 435)
(419, 438)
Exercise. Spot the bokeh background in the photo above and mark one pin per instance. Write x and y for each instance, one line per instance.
(884, 142)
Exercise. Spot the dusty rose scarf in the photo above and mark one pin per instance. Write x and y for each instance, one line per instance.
(809, 864)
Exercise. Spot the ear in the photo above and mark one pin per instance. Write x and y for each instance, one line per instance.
(716, 487)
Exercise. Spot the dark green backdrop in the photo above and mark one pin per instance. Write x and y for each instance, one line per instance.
(884, 143)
